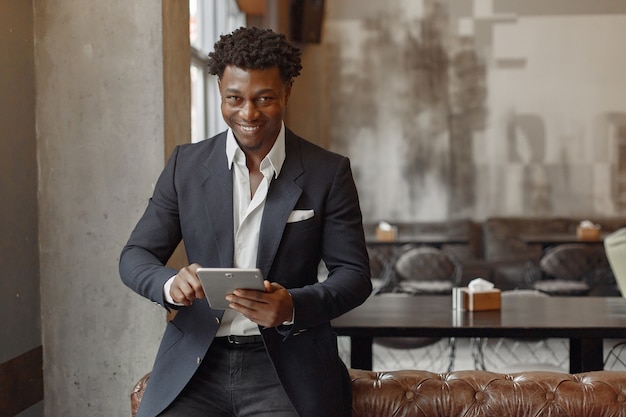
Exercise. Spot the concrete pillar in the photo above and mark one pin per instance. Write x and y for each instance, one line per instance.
(100, 131)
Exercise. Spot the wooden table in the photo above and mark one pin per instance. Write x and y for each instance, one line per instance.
(585, 321)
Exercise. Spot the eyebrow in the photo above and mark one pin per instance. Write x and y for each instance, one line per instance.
(256, 93)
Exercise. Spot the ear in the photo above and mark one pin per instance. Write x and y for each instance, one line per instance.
(288, 91)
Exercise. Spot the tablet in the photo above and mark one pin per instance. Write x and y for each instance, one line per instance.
(217, 283)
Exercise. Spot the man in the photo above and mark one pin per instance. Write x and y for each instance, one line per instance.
(256, 195)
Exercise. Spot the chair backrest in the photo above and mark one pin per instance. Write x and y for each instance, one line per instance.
(522, 293)
(615, 248)
(569, 262)
(427, 269)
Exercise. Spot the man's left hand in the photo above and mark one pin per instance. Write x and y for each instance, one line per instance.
(268, 309)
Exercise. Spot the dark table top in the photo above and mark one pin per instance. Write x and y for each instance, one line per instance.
(418, 316)
(422, 239)
(558, 238)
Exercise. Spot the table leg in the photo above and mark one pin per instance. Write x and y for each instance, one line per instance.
(361, 353)
(585, 355)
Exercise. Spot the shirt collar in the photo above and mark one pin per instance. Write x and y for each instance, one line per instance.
(274, 158)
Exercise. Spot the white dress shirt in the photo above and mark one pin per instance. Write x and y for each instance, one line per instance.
(247, 214)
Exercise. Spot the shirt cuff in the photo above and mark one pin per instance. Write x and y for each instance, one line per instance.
(290, 322)
(166, 293)
(293, 316)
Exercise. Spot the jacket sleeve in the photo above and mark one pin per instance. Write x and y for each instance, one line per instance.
(344, 252)
(154, 239)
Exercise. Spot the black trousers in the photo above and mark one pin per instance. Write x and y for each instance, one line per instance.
(234, 380)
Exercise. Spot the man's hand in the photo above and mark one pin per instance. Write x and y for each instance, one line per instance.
(186, 286)
(268, 309)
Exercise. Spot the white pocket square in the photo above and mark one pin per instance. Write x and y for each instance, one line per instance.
(299, 215)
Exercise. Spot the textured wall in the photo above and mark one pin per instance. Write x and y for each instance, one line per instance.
(472, 109)
(20, 327)
(100, 148)
(19, 261)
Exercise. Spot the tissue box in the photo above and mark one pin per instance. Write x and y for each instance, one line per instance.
(386, 235)
(588, 233)
(481, 301)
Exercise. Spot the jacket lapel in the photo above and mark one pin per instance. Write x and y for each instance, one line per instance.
(281, 200)
(218, 199)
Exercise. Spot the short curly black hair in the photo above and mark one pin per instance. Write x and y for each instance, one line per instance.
(254, 48)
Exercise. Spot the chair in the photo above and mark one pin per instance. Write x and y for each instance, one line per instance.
(516, 355)
(379, 270)
(615, 248)
(420, 270)
(615, 360)
(426, 270)
(564, 270)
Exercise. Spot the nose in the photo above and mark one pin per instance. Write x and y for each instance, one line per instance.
(248, 111)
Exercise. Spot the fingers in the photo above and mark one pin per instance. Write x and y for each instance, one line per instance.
(250, 299)
(272, 286)
(186, 286)
(268, 309)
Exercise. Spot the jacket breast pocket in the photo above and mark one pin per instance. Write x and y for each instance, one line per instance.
(301, 223)
(297, 216)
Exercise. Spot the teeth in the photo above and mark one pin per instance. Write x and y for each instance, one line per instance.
(248, 128)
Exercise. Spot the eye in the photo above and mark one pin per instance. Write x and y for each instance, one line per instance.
(265, 100)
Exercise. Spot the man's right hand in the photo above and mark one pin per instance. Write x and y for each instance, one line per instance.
(186, 286)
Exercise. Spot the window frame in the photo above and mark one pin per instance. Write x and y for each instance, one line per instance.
(212, 19)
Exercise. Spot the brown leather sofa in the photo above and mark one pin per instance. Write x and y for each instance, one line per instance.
(413, 393)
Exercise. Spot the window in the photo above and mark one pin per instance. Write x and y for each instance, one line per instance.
(207, 21)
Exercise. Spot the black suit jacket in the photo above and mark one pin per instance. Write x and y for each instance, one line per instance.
(192, 201)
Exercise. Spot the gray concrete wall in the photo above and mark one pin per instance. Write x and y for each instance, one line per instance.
(20, 327)
(19, 261)
(472, 109)
(100, 148)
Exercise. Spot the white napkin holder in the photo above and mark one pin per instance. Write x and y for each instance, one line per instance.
(479, 295)
(385, 232)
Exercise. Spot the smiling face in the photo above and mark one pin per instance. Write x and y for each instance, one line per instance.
(253, 106)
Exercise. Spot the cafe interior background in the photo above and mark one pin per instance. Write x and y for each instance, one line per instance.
(447, 110)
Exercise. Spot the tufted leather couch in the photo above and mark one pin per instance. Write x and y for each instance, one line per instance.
(413, 393)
